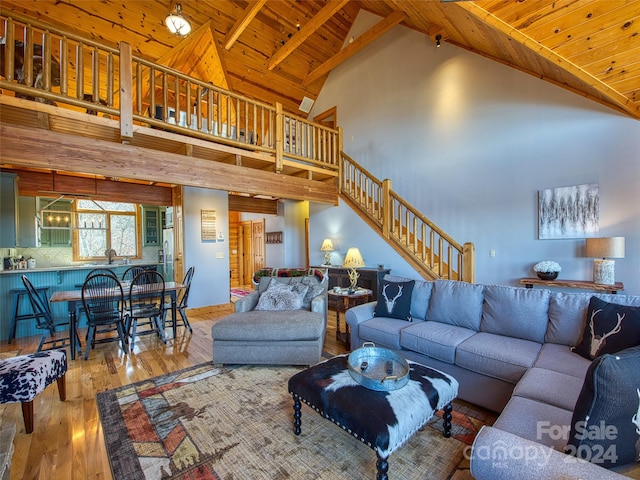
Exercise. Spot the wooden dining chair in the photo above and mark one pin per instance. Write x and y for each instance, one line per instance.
(131, 272)
(146, 302)
(103, 302)
(181, 307)
(55, 332)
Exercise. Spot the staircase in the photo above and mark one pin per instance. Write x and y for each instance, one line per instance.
(426, 247)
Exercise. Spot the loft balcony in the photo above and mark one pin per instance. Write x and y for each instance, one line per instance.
(71, 104)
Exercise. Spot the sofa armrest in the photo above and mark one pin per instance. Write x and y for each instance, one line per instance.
(497, 455)
(356, 315)
(247, 303)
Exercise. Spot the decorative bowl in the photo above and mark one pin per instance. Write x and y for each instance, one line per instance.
(547, 275)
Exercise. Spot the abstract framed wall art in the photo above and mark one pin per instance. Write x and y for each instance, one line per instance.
(568, 212)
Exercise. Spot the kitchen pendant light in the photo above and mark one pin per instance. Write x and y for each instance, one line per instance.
(177, 23)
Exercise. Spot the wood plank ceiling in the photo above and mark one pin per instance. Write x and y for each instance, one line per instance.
(282, 50)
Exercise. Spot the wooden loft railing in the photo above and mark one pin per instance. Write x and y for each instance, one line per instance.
(66, 70)
(432, 252)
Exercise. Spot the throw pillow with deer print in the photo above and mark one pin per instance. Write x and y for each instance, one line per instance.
(609, 328)
(605, 428)
(394, 300)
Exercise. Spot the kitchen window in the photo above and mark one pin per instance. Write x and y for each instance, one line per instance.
(102, 226)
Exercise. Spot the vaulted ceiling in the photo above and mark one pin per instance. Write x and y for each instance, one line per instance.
(282, 50)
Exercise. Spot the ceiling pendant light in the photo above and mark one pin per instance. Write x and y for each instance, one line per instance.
(177, 23)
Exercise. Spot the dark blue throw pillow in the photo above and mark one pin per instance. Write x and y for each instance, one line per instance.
(605, 428)
(394, 300)
(609, 328)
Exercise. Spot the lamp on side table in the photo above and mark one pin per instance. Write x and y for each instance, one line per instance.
(600, 249)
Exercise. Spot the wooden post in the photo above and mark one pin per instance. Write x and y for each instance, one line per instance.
(126, 92)
(386, 208)
(279, 137)
(468, 270)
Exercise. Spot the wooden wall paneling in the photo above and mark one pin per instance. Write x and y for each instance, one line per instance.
(234, 248)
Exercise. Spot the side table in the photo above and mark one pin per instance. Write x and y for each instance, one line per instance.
(343, 301)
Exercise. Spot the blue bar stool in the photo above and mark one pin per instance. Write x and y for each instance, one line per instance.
(17, 294)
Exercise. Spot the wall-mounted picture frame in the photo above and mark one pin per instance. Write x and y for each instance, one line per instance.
(208, 225)
(273, 237)
(569, 212)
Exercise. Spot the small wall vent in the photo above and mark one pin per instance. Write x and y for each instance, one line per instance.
(306, 104)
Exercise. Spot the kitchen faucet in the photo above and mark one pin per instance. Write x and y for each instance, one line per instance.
(111, 253)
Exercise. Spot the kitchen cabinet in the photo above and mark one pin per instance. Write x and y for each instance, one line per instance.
(55, 237)
(151, 226)
(27, 228)
(8, 209)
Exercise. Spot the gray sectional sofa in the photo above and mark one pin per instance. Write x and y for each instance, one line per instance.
(509, 349)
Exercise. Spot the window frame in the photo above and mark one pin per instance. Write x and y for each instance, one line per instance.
(75, 244)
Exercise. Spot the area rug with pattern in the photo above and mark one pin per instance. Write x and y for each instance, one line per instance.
(237, 423)
(239, 292)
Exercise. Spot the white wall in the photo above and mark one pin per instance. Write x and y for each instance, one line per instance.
(470, 142)
(210, 284)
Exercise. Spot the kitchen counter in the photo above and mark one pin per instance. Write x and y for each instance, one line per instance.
(59, 278)
(79, 266)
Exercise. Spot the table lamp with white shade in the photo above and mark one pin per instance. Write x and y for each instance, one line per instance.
(327, 248)
(352, 260)
(600, 249)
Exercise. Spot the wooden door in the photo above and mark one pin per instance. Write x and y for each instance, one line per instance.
(257, 240)
(246, 256)
(178, 234)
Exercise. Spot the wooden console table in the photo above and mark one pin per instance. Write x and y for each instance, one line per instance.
(584, 284)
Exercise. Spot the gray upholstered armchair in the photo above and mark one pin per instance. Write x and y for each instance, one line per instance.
(282, 322)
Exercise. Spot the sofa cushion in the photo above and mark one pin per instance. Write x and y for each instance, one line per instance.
(280, 296)
(515, 312)
(497, 356)
(419, 298)
(435, 339)
(536, 421)
(567, 313)
(561, 359)
(456, 303)
(547, 386)
(605, 427)
(609, 328)
(383, 331)
(394, 300)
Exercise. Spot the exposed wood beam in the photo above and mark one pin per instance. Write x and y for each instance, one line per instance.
(359, 43)
(328, 11)
(243, 22)
(494, 22)
(36, 148)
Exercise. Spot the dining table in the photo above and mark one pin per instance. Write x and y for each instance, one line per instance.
(73, 299)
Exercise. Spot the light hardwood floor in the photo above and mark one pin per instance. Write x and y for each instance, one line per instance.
(67, 442)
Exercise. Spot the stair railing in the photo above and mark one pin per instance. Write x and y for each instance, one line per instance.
(431, 251)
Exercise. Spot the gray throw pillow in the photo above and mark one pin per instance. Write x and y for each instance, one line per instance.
(281, 296)
(605, 428)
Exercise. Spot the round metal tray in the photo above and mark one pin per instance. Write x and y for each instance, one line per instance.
(378, 368)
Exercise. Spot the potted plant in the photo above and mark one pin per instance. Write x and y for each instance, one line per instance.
(547, 269)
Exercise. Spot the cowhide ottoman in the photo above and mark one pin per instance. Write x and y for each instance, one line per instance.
(383, 420)
(23, 377)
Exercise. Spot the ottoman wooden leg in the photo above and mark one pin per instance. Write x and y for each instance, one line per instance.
(296, 415)
(62, 387)
(447, 420)
(382, 467)
(27, 414)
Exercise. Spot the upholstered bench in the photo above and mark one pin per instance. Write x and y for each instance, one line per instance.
(23, 377)
(383, 420)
